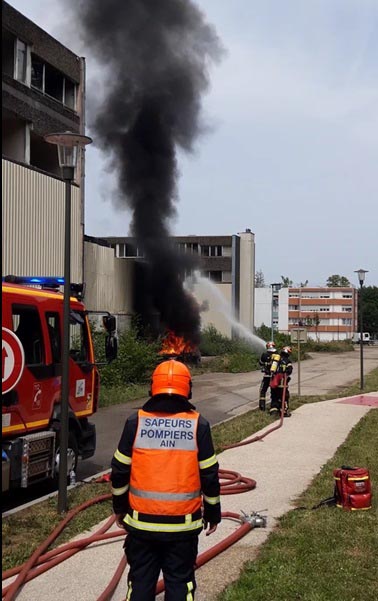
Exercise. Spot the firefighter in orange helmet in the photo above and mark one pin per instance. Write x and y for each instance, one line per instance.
(165, 487)
(281, 370)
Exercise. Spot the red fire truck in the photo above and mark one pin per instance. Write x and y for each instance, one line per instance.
(32, 331)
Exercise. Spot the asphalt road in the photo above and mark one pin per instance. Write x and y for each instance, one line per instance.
(221, 396)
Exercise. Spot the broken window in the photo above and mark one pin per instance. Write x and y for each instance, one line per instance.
(53, 83)
(69, 94)
(37, 73)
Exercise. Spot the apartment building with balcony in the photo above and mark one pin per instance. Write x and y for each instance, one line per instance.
(224, 279)
(43, 91)
(326, 313)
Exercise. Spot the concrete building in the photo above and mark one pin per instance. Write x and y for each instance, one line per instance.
(326, 313)
(224, 283)
(43, 92)
(109, 281)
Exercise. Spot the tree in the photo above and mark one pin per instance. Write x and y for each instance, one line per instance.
(259, 279)
(286, 282)
(369, 310)
(338, 281)
(303, 284)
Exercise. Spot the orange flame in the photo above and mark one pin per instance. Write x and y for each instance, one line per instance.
(175, 345)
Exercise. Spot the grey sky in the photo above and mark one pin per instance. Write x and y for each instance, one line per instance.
(292, 147)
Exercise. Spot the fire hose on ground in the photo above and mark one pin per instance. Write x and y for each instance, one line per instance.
(41, 561)
(276, 427)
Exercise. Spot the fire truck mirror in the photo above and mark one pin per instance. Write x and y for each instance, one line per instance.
(110, 324)
(111, 347)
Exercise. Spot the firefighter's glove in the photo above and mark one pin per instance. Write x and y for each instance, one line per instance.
(209, 527)
(119, 517)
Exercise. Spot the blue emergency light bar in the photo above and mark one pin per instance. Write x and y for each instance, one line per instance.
(77, 290)
(47, 281)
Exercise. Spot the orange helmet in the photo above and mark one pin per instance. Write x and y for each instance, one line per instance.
(171, 377)
(271, 346)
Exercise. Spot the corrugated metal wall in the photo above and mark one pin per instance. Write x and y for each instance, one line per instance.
(109, 281)
(33, 224)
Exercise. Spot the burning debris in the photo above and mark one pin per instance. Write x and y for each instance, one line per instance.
(155, 57)
(176, 347)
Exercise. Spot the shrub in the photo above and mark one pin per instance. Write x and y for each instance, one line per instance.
(213, 342)
(233, 355)
(135, 361)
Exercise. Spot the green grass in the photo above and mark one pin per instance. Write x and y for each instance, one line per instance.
(320, 555)
(26, 530)
(115, 395)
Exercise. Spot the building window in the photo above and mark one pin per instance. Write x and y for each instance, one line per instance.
(215, 251)
(346, 322)
(226, 277)
(69, 94)
(347, 296)
(52, 82)
(37, 73)
(21, 61)
(293, 307)
(347, 309)
(193, 248)
(211, 251)
(324, 309)
(214, 276)
(324, 296)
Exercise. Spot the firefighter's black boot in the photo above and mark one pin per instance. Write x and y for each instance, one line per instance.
(262, 404)
(273, 412)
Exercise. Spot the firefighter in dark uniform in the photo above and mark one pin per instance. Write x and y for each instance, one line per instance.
(281, 370)
(165, 487)
(265, 363)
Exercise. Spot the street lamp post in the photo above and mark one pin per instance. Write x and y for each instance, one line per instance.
(361, 279)
(68, 144)
(275, 288)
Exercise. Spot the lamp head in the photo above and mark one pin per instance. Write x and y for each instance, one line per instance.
(361, 275)
(68, 143)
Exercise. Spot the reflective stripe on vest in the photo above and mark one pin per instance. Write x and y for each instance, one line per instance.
(164, 496)
(185, 526)
(165, 473)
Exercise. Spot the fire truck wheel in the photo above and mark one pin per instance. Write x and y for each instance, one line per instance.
(72, 454)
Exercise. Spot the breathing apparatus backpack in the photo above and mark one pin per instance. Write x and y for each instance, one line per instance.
(352, 488)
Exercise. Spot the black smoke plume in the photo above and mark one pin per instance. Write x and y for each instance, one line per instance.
(155, 54)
